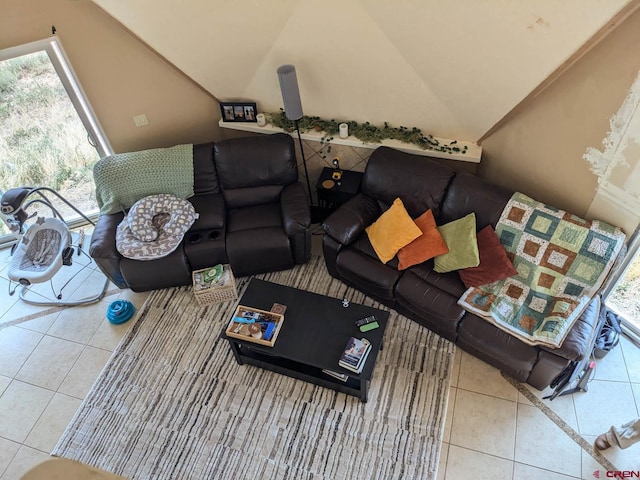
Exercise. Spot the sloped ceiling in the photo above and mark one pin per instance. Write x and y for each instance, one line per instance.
(452, 68)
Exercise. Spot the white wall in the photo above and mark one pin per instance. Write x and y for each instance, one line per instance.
(617, 166)
(452, 68)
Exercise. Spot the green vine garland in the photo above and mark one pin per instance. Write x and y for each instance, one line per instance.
(364, 131)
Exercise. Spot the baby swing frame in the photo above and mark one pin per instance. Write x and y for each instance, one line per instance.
(43, 247)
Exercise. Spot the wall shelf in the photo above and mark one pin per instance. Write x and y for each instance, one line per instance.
(473, 155)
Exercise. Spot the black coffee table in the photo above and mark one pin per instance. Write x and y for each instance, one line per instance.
(315, 331)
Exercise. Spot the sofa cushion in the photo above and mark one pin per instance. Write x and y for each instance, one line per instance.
(246, 197)
(433, 307)
(494, 262)
(420, 181)
(496, 347)
(468, 193)
(211, 211)
(449, 282)
(256, 161)
(426, 246)
(246, 259)
(169, 271)
(205, 177)
(393, 230)
(258, 216)
(350, 220)
(460, 236)
(371, 277)
(579, 340)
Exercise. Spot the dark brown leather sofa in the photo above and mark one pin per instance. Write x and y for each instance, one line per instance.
(253, 214)
(423, 295)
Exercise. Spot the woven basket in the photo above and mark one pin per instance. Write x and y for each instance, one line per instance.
(214, 293)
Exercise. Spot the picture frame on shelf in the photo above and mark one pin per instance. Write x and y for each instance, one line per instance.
(239, 111)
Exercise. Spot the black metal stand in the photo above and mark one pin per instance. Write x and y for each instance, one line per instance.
(318, 214)
(574, 379)
(304, 162)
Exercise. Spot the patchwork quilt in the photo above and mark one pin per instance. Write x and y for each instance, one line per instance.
(562, 261)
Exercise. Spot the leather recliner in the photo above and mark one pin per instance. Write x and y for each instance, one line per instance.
(253, 214)
(419, 292)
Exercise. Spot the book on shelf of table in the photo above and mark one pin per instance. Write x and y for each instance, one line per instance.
(340, 376)
(355, 354)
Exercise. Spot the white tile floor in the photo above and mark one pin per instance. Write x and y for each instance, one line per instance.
(48, 364)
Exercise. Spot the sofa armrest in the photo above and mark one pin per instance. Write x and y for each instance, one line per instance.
(296, 214)
(103, 247)
(211, 211)
(579, 340)
(103, 238)
(350, 220)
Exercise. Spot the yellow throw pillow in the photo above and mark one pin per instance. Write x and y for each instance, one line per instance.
(393, 230)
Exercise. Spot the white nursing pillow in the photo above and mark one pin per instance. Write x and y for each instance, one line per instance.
(154, 227)
(180, 214)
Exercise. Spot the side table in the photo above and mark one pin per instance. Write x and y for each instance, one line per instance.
(332, 195)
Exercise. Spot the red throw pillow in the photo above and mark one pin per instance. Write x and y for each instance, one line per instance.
(494, 262)
(426, 246)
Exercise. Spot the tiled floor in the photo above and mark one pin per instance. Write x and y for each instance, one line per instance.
(48, 364)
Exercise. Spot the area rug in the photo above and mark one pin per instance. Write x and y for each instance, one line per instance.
(172, 403)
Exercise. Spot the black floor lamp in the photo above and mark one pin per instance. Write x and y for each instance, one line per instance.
(293, 109)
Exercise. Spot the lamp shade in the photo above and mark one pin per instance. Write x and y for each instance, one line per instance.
(290, 93)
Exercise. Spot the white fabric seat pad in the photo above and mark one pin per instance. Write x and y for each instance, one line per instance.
(38, 256)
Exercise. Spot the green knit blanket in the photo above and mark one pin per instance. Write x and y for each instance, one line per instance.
(124, 178)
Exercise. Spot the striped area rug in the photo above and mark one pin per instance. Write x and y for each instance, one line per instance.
(173, 404)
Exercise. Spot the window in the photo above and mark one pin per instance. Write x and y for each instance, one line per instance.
(50, 135)
(623, 295)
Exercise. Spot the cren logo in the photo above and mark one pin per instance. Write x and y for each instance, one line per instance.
(623, 474)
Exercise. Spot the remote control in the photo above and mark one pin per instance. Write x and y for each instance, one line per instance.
(364, 321)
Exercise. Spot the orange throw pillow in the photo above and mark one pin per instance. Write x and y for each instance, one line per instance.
(393, 230)
(426, 246)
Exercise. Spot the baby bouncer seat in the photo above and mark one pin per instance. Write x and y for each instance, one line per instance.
(42, 248)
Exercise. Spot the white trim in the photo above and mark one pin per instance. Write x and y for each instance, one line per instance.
(619, 197)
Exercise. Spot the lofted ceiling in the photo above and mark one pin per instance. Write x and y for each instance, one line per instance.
(452, 68)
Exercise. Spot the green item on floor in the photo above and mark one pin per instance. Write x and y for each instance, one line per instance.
(213, 274)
